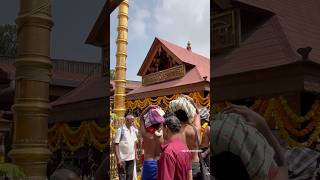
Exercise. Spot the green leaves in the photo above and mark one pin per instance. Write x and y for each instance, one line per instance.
(8, 40)
(113, 116)
(112, 74)
(11, 170)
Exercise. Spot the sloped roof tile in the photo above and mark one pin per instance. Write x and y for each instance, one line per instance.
(294, 25)
(200, 70)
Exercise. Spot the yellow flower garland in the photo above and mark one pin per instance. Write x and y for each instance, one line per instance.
(141, 104)
(279, 110)
(75, 138)
(275, 109)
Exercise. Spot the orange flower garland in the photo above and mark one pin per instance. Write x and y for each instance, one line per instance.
(274, 110)
(75, 138)
(141, 104)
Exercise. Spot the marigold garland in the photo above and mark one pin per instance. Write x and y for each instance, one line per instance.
(75, 138)
(296, 118)
(274, 110)
(279, 110)
(141, 104)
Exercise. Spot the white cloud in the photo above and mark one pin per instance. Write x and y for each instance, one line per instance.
(179, 21)
(139, 23)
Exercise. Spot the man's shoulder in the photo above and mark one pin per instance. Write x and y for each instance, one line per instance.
(177, 150)
(176, 146)
(189, 131)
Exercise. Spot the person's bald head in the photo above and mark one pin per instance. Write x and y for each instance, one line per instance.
(64, 174)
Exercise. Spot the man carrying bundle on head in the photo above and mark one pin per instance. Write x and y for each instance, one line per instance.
(243, 144)
(205, 134)
(65, 174)
(151, 130)
(186, 111)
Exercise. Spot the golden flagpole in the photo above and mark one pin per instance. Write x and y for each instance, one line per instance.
(121, 55)
(120, 74)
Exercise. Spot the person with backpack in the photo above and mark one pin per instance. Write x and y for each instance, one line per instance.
(125, 143)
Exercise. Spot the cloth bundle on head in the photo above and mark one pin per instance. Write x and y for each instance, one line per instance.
(182, 103)
(204, 114)
(230, 132)
(153, 116)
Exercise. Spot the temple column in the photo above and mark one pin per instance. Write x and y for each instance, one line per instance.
(33, 74)
(121, 55)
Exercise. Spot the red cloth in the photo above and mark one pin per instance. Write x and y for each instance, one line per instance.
(175, 161)
(273, 171)
(151, 129)
(142, 158)
(142, 154)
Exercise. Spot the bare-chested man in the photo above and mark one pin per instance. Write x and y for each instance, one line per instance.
(150, 128)
(188, 113)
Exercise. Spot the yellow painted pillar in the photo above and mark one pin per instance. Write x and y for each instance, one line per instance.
(121, 55)
(33, 74)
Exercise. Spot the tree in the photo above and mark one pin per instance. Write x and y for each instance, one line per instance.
(8, 39)
(112, 74)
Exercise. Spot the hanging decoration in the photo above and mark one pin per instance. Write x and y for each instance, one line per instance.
(63, 136)
(295, 129)
(165, 100)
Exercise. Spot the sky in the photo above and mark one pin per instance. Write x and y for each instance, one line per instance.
(177, 21)
(73, 21)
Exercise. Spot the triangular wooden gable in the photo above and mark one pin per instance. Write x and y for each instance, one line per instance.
(159, 58)
(161, 65)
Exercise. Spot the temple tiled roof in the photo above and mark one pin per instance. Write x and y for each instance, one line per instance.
(293, 24)
(200, 71)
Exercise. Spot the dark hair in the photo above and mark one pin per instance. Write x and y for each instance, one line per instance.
(182, 116)
(173, 123)
(228, 166)
(63, 173)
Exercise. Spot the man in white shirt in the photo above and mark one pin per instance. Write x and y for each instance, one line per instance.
(126, 149)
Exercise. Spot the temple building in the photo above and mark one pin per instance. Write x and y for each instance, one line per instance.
(66, 76)
(266, 54)
(169, 70)
(78, 119)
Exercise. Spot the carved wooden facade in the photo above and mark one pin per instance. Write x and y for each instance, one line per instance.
(163, 68)
(226, 30)
(164, 75)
